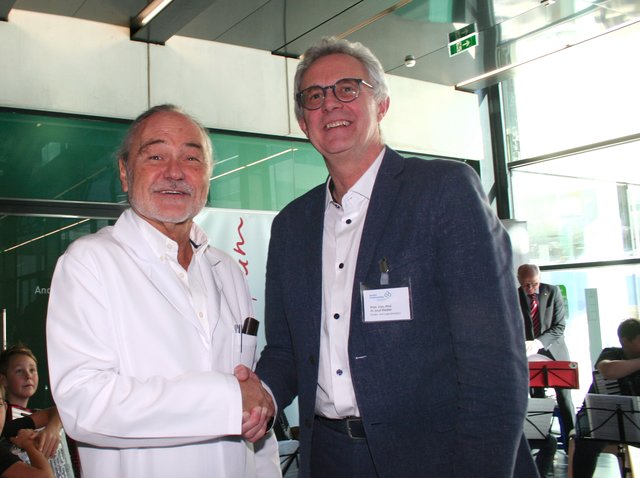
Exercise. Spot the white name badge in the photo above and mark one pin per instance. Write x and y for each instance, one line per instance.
(386, 304)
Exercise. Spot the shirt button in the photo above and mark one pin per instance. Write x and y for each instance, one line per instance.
(339, 372)
(341, 265)
(336, 316)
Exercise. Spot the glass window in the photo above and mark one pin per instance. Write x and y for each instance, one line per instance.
(262, 173)
(69, 158)
(51, 157)
(29, 250)
(582, 95)
(598, 299)
(583, 207)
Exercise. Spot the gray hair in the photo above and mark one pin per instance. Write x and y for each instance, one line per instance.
(526, 270)
(333, 45)
(125, 148)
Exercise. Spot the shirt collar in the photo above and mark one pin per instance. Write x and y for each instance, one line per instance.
(363, 186)
(162, 245)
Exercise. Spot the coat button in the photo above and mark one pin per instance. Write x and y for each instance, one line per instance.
(312, 359)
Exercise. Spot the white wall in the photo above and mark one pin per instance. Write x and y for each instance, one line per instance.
(61, 64)
(54, 63)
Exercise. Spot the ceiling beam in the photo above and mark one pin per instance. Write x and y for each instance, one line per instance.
(5, 8)
(168, 22)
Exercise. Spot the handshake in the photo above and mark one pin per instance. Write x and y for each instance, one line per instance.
(258, 409)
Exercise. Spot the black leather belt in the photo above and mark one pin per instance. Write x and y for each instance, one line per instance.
(350, 426)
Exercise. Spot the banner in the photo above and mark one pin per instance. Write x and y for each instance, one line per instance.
(244, 235)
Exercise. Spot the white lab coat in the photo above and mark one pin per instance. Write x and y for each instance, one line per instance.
(136, 379)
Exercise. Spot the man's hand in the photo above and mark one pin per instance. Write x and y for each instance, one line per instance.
(257, 405)
(533, 346)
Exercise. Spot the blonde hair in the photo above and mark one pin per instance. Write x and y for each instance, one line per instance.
(12, 351)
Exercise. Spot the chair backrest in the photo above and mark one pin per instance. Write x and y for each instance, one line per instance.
(281, 428)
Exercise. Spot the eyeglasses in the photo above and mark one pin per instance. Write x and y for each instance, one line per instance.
(345, 90)
(530, 285)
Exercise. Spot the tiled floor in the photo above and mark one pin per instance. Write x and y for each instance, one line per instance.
(607, 466)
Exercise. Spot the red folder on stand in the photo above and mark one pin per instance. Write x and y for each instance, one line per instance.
(554, 374)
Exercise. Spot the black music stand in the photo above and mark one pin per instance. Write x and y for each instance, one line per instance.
(554, 373)
(537, 430)
(614, 418)
(611, 419)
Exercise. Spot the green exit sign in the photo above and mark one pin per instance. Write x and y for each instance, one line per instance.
(462, 45)
(462, 32)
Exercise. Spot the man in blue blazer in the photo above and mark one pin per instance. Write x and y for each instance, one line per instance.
(547, 338)
(390, 311)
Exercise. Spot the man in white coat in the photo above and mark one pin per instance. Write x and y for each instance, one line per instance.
(142, 327)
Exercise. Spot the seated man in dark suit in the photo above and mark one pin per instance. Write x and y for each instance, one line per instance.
(614, 363)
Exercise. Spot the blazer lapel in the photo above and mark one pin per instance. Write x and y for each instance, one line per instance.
(545, 321)
(311, 260)
(381, 205)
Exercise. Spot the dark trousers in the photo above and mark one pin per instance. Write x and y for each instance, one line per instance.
(546, 453)
(335, 455)
(585, 457)
(586, 451)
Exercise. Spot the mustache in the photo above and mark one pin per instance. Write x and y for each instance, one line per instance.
(174, 186)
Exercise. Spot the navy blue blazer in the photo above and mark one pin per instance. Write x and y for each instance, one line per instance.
(442, 395)
(552, 321)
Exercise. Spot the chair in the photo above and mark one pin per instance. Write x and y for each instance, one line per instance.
(288, 444)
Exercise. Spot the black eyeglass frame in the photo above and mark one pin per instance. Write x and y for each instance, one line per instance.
(324, 89)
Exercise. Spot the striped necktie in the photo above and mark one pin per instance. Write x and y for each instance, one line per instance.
(535, 315)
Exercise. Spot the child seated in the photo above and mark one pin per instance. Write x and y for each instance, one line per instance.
(20, 432)
(19, 375)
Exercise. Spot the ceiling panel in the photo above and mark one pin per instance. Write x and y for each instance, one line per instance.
(223, 16)
(510, 31)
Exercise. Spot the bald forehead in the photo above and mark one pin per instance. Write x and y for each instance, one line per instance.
(163, 125)
(166, 121)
